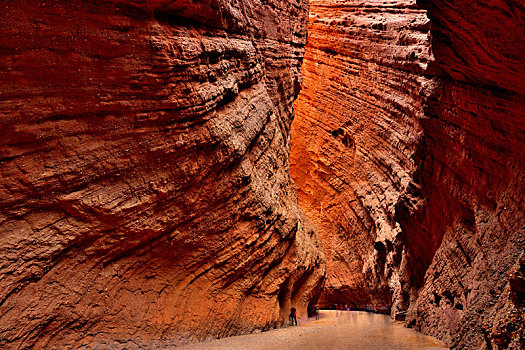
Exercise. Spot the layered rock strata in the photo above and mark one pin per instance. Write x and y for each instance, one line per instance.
(413, 165)
(355, 136)
(145, 198)
(473, 170)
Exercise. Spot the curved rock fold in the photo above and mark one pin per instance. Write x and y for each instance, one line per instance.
(145, 197)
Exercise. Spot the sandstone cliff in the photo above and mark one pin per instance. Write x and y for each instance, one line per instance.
(408, 154)
(473, 170)
(355, 137)
(145, 198)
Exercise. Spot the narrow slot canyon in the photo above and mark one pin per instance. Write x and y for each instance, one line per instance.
(176, 171)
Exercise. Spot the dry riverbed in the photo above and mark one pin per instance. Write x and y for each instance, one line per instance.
(334, 330)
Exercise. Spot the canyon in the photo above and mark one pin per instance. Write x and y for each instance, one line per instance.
(154, 191)
(408, 154)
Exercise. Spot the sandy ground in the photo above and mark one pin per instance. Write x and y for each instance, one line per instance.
(334, 330)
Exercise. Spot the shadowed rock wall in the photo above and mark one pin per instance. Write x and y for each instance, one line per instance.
(145, 198)
(473, 170)
(412, 165)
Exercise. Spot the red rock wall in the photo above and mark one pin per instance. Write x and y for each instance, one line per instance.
(145, 198)
(355, 136)
(411, 165)
(473, 170)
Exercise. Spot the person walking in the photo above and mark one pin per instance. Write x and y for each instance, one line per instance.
(316, 308)
(293, 315)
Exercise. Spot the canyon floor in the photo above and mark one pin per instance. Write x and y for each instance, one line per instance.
(334, 330)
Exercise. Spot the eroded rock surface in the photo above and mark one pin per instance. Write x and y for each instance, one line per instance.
(355, 137)
(408, 153)
(145, 198)
(473, 171)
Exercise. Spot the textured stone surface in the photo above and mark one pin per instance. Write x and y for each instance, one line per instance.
(473, 172)
(355, 136)
(144, 191)
(412, 165)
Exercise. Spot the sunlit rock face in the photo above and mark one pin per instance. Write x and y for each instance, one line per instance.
(145, 198)
(408, 153)
(355, 138)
